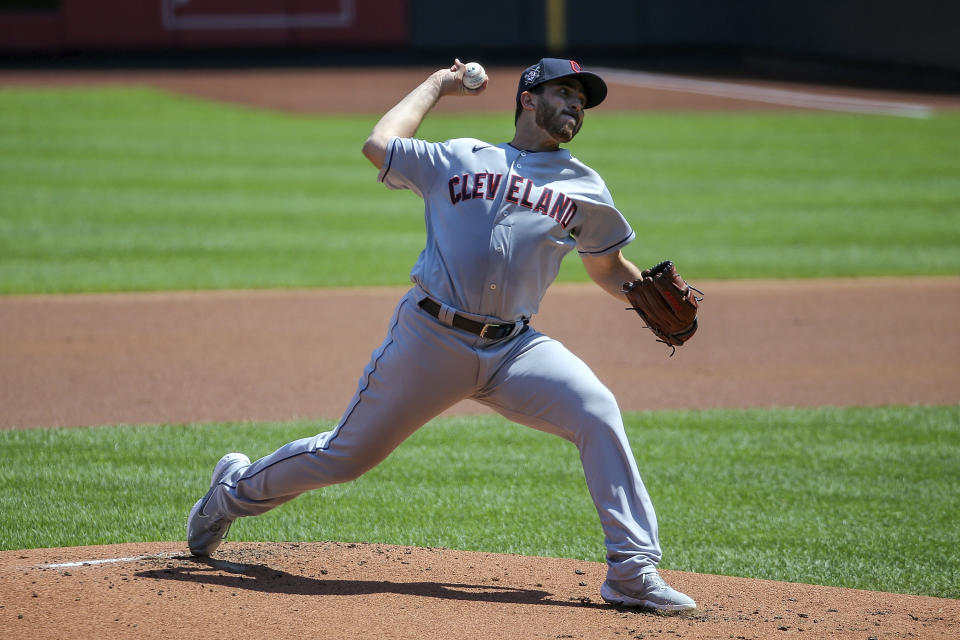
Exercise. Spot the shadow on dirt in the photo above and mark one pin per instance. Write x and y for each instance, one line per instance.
(264, 579)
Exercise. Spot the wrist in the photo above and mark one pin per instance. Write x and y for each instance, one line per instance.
(445, 82)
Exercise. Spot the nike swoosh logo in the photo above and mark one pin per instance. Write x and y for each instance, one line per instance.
(477, 147)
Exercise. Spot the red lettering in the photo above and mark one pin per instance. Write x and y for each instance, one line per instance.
(514, 189)
(558, 206)
(493, 183)
(454, 196)
(478, 185)
(525, 200)
(543, 204)
(465, 195)
(568, 213)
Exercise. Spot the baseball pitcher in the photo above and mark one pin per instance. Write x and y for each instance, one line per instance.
(499, 219)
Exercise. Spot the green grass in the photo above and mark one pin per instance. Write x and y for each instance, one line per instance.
(864, 498)
(132, 189)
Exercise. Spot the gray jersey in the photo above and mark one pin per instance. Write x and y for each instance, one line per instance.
(499, 220)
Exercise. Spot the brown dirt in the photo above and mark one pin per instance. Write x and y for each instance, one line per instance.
(276, 355)
(361, 591)
(279, 355)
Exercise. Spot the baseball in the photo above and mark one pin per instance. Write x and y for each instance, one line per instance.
(474, 75)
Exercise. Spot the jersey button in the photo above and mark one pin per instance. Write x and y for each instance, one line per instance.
(499, 249)
(493, 287)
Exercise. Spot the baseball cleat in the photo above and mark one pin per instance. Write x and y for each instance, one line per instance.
(205, 531)
(647, 590)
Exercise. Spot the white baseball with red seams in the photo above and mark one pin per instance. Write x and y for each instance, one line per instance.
(474, 75)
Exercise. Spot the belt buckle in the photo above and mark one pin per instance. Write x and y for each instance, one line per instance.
(483, 332)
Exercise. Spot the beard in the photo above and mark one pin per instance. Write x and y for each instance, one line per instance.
(556, 123)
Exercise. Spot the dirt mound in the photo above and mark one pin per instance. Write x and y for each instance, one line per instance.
(345, 591)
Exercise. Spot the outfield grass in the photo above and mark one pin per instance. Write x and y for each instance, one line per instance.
(132, 189)
(864, 498)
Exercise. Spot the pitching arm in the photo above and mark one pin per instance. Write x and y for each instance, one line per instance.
(405, 117)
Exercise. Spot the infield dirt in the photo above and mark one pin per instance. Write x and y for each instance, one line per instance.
(177, 357)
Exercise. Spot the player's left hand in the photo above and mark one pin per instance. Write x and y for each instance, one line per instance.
(665, 302)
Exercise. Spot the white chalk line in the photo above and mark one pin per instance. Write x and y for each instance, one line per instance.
(223, 565)
(753, 93)
(84, 563)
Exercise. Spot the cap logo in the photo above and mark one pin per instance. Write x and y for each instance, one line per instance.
(532, 74)
(575, 66)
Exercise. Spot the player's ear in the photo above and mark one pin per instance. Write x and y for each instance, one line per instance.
(528, 101)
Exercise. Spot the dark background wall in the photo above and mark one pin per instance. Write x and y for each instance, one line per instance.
(907, 43)
(852, 37)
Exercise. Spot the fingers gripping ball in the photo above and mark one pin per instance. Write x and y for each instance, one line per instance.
(474, 76)
(665, 302)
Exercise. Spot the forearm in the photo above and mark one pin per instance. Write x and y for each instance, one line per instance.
(404, 118)
(611, 271)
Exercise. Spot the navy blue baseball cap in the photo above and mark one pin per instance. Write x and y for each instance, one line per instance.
(553, 68)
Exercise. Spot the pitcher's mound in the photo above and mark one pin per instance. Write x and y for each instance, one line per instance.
(374, 591)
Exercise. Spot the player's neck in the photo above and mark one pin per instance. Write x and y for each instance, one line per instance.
(534, 139)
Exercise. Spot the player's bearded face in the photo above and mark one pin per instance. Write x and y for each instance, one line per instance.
(562, 122)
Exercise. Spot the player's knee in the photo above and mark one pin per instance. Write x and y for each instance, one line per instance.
(601, 415)
(601, 405)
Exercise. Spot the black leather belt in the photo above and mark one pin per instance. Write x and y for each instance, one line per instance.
(490, 331)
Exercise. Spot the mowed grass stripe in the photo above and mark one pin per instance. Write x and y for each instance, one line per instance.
(126, 189)
(863, 498)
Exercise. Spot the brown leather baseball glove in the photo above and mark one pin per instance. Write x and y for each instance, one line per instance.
(665, 302)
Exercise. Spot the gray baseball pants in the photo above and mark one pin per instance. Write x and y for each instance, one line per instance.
(425, 366)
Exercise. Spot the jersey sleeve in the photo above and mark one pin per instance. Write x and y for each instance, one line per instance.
(601, 228)
(411, 163)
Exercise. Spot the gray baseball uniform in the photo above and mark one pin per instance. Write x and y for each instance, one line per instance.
(499, 221)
